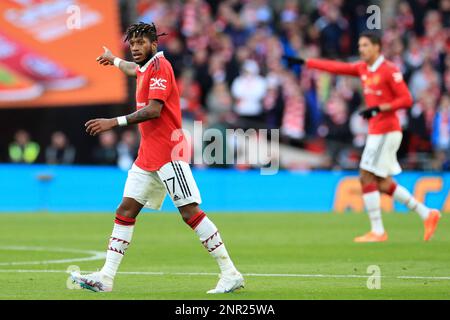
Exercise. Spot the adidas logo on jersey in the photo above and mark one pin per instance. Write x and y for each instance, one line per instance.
(157, 84)
(176, 197)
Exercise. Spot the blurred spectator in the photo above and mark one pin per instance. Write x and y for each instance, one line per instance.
(273, 101)
(190, 95)
(219, 103)
(256, 13)
(174, 52)
(405, 17)
(59, 151)
(127, 149)
(336, 120)
(414, 55)
(201, 71)
(106, 153)
(435, 35)
(445, 11)
(336, 127)
(420, 119)
(230, 22)
(237, 61)
(332, 27)
(220, 117)
(359, 129)
(423, 79)
(22, 149)
(216, 68)
(195, 23)
(248, 90)
(293, 121)
(446, 82)
(441, 134)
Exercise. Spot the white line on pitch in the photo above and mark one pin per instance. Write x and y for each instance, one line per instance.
(419, 277)
(268, 275)
(94, 255)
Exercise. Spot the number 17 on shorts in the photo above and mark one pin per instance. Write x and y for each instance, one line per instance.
(180, 183)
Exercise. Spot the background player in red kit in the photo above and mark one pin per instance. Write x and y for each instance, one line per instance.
(385, 92)
(156, 170)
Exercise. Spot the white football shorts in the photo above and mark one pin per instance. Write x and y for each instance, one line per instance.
(149, 188)
(380, 154)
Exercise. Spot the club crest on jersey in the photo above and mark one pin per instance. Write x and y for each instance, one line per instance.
(157, 84)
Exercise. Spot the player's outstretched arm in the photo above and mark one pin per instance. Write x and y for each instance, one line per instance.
(107, 59)
(332, 66)
(151, 111)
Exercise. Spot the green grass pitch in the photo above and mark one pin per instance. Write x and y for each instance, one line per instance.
(283, 256)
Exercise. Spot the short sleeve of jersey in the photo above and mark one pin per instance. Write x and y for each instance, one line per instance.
(160, 83)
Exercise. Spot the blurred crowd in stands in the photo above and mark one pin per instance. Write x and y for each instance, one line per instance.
(110, 149)
(227, 57)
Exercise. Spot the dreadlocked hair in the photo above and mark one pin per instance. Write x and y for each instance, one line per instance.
(143, 29)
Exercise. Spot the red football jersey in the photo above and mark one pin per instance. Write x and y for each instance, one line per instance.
(382, 83)
(156, 81)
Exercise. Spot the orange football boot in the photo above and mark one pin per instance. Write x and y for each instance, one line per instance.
(371, 237)
(431, 223)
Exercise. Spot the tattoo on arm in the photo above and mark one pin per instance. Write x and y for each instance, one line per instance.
(151, 111)
(141, 115)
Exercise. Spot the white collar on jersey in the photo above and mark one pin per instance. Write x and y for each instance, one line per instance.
(145, 66)
(376, 64)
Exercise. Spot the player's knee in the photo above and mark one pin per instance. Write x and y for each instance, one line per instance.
(367, 178)
(387, 186)
(125, 210)
(188, 211)
(186, 216)
(382, 186)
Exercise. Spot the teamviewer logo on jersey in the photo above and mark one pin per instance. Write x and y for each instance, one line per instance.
(157, 84)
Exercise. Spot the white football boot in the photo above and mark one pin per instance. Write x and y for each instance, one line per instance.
(96, 281)
(228, 283)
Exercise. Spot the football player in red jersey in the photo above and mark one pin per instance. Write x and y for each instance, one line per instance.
(158, 169)
(385, 92)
